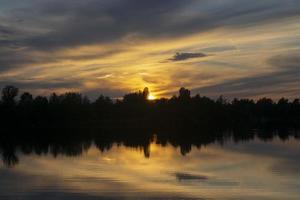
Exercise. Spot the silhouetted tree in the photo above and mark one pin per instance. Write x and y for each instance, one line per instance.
(54, 99)
(68, 123)
(265, 110)
(73, 109)
(26, 99)
(103, 107)
(41, 101)
(221, 100)
(71, 99)
(184, 94)
(146, 93)
(8, 95)
(86, 100)
(103, 101)
(136, 97)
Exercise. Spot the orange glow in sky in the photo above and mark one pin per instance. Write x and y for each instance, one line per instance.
(210, 47)
(151, 97)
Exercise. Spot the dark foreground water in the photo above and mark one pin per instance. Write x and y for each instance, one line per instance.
(253, 170)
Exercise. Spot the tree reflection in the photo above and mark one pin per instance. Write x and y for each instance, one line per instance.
(74, 142)
(68, 124)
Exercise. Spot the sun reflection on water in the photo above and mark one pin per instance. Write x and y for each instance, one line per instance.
(229, 172)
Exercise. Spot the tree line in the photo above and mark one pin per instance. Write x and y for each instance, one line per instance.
(134, 109)
(70, 123)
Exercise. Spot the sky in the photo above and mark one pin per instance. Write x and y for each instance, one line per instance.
(235, 48)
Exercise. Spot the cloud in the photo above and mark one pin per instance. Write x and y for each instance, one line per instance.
(285, 62)
(45, 84)
(186, 56)
(5, 31)
(73, 23)
(48, 25)
(218, 49)
(284, 80)
(151, 79)
(35, 34)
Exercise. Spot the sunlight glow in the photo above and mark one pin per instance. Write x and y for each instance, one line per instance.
(151, 97)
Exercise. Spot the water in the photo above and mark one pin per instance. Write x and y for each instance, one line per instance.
(247, 170)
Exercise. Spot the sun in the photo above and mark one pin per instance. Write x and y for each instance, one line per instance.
(151, 97)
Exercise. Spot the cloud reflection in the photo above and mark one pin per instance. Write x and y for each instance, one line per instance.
(230, 172)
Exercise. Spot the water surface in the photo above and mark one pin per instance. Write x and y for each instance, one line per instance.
(245, 170)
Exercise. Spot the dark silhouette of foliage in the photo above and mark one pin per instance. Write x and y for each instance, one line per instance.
(26, 99)
(135, 109)
(8, 95)
(68, 123)
(184, 94)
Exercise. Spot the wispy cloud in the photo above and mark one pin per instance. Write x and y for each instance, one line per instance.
(282, 81)
(53, 39)
(186, 56)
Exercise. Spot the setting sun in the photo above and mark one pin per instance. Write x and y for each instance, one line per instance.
(139, 99)
(151, 97)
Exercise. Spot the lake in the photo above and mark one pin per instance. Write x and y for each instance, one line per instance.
(228, 170)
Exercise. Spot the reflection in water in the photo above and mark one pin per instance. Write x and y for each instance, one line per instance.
(151, 168)
(184, 176)
(72, 143)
